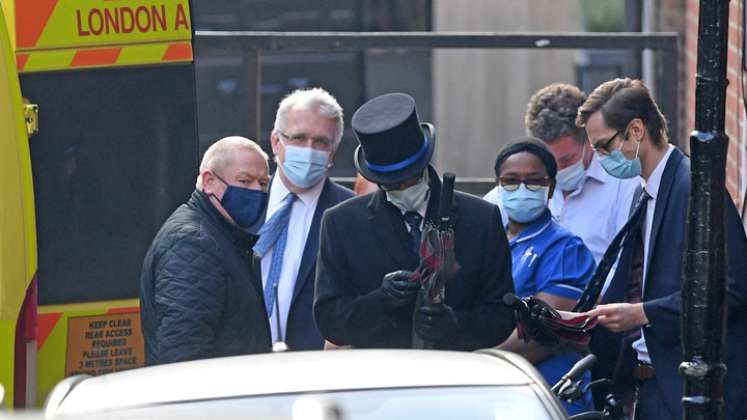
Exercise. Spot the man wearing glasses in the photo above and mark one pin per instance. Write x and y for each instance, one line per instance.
(308, 129)
(364, 293)
(642, 304)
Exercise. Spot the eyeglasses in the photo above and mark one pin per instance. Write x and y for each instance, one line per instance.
(532, 184)
(603, 147)
(301, 140)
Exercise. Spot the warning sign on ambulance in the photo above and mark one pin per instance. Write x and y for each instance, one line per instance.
(104, 344)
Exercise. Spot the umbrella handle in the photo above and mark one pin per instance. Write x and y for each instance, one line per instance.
(447, 194)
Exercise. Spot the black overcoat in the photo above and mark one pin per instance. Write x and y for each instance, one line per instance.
(364, 238)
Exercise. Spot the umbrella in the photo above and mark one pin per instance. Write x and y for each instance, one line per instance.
(437, 261)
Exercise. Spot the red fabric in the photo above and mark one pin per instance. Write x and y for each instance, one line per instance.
(437, 261)
(543, 323)
(25, 332)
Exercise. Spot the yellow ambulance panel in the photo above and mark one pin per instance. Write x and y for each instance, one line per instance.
(59, 35)
(17, 224)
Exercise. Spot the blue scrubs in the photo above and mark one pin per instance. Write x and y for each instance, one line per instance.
(547, 258)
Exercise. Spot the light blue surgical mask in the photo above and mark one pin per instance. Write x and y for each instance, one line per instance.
(617, 165)
(524, 205)
(304, 166)
(570, 178)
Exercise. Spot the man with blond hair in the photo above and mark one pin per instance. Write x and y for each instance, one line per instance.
(308, 128)
(200, 293)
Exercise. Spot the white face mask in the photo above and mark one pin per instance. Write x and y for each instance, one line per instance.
(411, 198)
(570, 178)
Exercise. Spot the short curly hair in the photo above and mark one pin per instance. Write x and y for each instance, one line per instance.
(551, 113)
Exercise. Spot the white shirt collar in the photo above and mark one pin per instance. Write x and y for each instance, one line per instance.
(278, 192)
(654, 181)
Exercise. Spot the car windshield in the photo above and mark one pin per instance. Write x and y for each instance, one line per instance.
(484, 402)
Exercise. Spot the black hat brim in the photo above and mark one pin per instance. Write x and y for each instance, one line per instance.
(395, 177)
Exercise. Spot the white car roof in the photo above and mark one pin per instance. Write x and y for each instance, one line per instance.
(293, 372)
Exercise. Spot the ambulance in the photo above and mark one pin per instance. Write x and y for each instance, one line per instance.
(98, 145)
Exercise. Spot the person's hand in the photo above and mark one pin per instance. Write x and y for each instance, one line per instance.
(398, 290)
(619, 317)
(435, 322)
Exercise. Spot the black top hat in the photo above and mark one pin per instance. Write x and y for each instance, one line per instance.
(395, 146)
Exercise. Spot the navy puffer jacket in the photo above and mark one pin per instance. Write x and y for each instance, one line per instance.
(200, 289)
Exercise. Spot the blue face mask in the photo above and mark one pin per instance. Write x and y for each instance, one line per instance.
(617, 165)
(245, 206)
(524, 205)
(304, 166)
(570, 178)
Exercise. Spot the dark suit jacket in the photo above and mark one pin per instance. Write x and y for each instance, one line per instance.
(365, 238)
(301, 332)
(662, 299)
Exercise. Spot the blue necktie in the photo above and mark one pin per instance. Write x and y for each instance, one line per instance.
(413, 219)
(273, 235)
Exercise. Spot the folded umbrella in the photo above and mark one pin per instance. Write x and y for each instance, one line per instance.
(437, 260)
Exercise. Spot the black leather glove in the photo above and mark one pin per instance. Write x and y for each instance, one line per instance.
(398, 289)
(436, 323)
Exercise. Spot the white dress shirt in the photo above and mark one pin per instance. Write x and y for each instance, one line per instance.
(652, 188)
(302, 214)
(594, 212)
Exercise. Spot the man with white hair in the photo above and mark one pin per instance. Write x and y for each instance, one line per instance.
(308, 128)
(200, 294)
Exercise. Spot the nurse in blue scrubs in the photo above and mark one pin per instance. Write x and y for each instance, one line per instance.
(548, 262)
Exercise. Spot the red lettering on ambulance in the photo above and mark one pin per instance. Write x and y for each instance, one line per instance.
(159, 18)
(95, 25)
(181, 18)
(140, 12)
(127, 26)
(111, 21)
(81, 32)
(124, 20)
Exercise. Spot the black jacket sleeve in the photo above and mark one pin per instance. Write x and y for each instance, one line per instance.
(343, 316)
(190, 293)
(489, 322)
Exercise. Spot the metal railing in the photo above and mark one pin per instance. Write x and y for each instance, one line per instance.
(251, 45)
(475, 186)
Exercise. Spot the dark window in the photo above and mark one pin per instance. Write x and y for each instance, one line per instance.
(116, 153)
(222, 76)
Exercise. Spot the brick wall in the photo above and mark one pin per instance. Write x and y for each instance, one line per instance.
(735, 112)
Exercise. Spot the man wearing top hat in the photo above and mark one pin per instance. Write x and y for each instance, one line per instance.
(363, 294)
